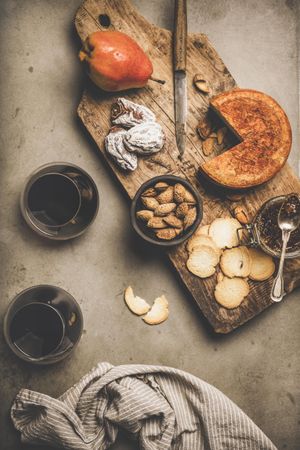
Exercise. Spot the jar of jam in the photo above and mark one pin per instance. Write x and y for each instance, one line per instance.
(265, 232)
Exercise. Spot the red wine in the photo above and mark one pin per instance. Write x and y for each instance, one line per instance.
(53, 199)
(37, 329)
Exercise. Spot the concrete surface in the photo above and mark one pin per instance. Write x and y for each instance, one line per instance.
(257, 366)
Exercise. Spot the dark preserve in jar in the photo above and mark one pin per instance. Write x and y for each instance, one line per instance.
(268, 229)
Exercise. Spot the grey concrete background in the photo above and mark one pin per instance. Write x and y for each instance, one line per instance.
(257, 366)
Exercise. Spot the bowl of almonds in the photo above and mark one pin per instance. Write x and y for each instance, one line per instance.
(166, 210)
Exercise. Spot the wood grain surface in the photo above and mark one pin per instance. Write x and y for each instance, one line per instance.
(94, 111)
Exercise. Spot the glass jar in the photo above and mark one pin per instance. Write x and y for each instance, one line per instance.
(264, 231)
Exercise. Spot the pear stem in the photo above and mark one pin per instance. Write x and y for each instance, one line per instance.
(157, 80)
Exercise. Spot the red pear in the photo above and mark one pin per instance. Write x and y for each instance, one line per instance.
(115, 61)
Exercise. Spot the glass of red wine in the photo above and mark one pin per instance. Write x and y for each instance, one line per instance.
(59, 201)
(43, 324)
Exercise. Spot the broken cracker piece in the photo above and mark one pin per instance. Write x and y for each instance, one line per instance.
(159, 311)
(137, 305)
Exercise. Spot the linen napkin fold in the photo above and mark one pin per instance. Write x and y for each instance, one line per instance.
(161, 407)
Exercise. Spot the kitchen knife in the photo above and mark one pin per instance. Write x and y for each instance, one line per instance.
(179, 67)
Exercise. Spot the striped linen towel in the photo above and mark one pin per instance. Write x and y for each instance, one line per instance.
(161, 407)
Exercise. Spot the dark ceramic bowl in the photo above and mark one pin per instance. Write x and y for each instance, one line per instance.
(146, 233)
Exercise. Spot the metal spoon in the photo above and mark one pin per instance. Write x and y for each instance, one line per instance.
(288, 221)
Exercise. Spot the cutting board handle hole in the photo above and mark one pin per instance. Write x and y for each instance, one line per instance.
(104, 20)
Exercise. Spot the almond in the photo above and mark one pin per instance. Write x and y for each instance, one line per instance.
(190, 218)
(151, 192)
(240, 214)
(173, 221)
(220, 135)
(179, 193)
(166, 196)
(182, 210)
(189, 198)
(178, 230)
(150, 203)
(201, 84)
(144, 215)
(165, 209)
(161, 186)
(167, 234)
(208, 146)
(234, 197)
(204, 128)
(156, 222)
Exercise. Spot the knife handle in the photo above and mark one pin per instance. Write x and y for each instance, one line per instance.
(180, 35)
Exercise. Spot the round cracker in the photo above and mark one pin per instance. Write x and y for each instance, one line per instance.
(230, 292)
(197, 241)
(202, 262)
(236, 262)
(223, 231)
(262, 265)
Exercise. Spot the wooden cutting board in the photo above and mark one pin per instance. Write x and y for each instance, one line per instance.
(94, 111)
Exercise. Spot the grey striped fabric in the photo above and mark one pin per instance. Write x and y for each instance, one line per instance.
(163, 408)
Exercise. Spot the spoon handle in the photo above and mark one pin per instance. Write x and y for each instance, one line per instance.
(277, 292)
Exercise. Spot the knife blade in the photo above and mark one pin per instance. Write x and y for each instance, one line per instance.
(180, 85)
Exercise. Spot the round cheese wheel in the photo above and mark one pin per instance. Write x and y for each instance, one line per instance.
(265, 138)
